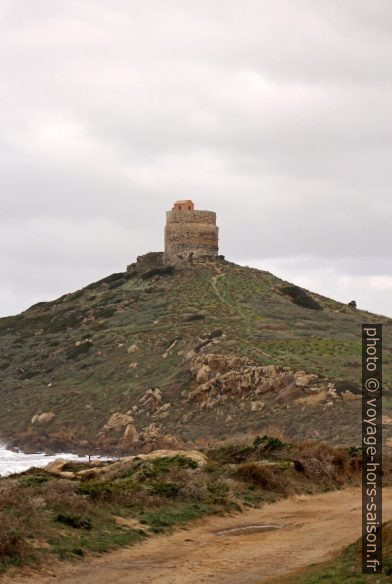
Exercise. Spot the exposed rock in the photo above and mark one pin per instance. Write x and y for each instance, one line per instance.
(169, 350)
(117, 421)
(256, 406)
(204, 374)
(133, 349)
(55, 468)
(289, 393)
(119, 466)
(331, 391)
(170, 441)
(265, 386)
(349, 396)
(153, 397)
(303, 380)
(130, 435)
(150, 432)
(43, 418)
(219, 377)
(313, 389)
(269, 371)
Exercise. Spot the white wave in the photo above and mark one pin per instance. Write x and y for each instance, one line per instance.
(13, 462)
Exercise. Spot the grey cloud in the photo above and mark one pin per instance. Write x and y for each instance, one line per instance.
(275, 114)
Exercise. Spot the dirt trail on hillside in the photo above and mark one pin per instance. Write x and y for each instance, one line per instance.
(311, 528)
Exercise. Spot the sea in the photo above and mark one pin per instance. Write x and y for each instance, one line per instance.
(13, 462)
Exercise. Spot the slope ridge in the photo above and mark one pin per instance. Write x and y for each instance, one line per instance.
(100, 350)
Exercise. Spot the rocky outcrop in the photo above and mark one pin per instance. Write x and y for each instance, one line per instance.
(99, 468)
(130, 437)
(218, 378)
(118, 421)
(152, 398)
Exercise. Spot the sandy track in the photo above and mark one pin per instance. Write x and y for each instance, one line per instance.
(313, 528)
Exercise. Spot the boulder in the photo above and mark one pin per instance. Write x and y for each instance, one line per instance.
(133, 349)
(150, 432)
(203, 374)
(256, 406)
(118, 421)
(43, 418)
(55, 468)
(153, 397)
(303, 380)
(130, 435)
(349, 396)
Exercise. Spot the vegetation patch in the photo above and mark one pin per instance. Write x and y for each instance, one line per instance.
(158, 271)
(80, 349)
(301, 297)
(73, 518)
(346, 566)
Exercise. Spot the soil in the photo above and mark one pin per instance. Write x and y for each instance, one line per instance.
(306, 529)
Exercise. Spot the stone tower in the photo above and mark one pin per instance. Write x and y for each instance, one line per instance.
(189, 235)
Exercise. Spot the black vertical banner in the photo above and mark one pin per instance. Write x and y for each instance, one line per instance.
(371, 449)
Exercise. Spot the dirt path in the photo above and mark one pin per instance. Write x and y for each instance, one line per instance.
(214, 279)
(311, 529)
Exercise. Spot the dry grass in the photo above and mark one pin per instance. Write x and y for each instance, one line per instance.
(71, 518)
(263, 476)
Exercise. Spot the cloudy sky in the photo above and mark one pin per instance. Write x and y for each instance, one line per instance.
(274, 113)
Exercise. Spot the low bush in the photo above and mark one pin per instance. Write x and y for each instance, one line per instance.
(104, 312)
(13, 546)
(74, 521)
(301, 297)
(77, 350)
(158, 271)
(262, 476)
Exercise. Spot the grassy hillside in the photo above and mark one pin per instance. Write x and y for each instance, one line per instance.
(97, 351)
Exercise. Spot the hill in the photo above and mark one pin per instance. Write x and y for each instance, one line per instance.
(161, 356)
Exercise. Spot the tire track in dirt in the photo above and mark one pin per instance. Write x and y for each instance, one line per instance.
(311, 529)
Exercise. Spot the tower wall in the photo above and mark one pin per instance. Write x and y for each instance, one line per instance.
(190, 235)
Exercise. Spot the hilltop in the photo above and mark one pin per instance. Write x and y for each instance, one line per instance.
(162, 355)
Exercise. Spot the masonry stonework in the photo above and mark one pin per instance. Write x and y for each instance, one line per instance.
(190, 235)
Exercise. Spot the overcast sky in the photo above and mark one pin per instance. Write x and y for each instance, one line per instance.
(274, 113)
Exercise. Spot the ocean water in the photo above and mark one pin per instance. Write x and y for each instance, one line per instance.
(11, 462)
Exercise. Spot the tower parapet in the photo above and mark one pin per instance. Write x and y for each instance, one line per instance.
(189, 234)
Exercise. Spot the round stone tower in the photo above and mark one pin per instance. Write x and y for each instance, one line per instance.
(190, 235)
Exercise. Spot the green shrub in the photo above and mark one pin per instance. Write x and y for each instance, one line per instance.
(63, 320)
(165, 489)
(301, 297)
(33, 480)
(268, 443)
(104, 312)
(74, 521)
(158, 271)
(96, 489)
(219, 491)
(153, 468)
(77, 350)
(230, 454)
